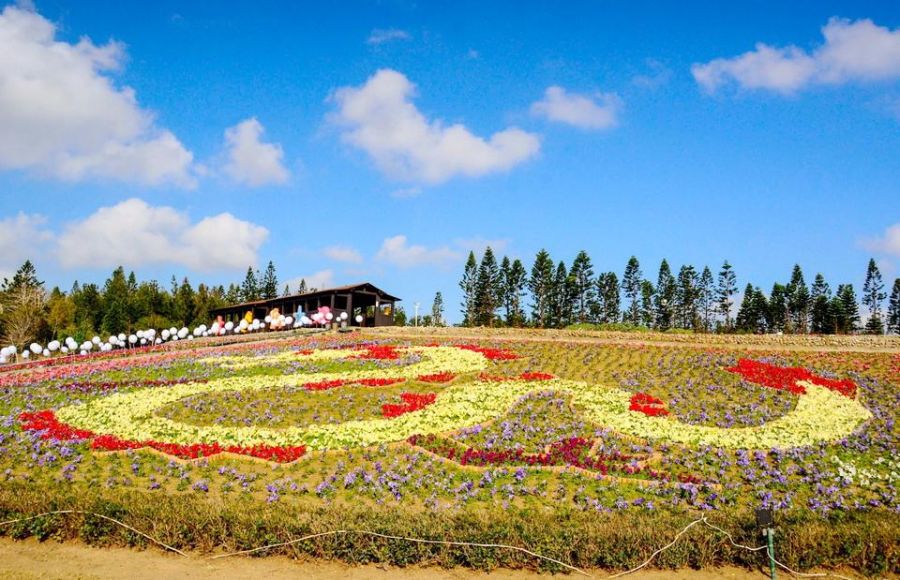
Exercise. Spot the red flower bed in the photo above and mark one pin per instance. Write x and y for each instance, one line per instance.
(52, 428)
(785, 378)
(648, 405)
(324, 385)
(490, 353)
(379, 382)
(379, 352)
(411, 402)
(437, 378)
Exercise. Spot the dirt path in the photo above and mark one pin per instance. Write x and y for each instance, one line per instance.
(33, 560)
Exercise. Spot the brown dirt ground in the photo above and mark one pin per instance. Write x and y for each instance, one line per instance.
(33, 560)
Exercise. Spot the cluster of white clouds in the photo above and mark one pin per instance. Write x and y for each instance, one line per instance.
(852, 51)
(64, 116)
(380, 118)
(382, 35)
(133, 233)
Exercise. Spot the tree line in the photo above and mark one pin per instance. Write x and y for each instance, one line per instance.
(556, 296)
(121, 304)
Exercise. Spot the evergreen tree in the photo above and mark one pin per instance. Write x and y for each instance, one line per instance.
(751, 316)
(664, 299)
(893, 312)
(301, 288)
(25, 276)
(631, 287)
(820, 312)
(250, 290)
(287, 290)
(467, 285)
(540, 284)
(505, 298)
(686, 296)
(798, 302)
(487, 289)
(60, 314)
(609, 299)
(725, 290)
(562, 294)
(437, 310)
(873, 296)
(706, 298)
(233, 294)
(849, 309)
(514, 282)
(777, 313)
(647, 313)
(584, 290)
(89, 309)
(115, 303)
(184, 306)
(202, 305)
(269, 285)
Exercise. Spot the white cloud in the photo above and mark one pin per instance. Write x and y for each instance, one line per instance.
(64, 117)
(889, 243)
(133, 233)
(380, 118)
(250, 161)
(343, 254)
(398, 252)
(319, 280)
(22, 237)
(598, 111)
(853, 51)
(382, 35)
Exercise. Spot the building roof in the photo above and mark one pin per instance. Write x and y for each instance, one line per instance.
(362, 286)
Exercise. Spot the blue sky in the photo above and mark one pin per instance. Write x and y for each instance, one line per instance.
(382, 141)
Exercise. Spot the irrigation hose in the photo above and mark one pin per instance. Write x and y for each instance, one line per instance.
(700, 520)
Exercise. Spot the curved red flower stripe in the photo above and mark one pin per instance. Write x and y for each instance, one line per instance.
(51, 428)
(489, 353)
(411, 402)
(648, 405)
(785, 378)
(379, 352)
(324, 385)
(379, 382)
(436, 378)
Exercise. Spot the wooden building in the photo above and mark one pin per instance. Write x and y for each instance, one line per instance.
(375, 305)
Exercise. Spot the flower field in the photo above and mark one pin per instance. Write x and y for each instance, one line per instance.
(595, 454)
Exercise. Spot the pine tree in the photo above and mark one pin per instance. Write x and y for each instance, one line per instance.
(647, 293)
(202, 305)
(686, 296)
(269, 285)
(561, 297)
(777, 313)
(467, 285)
(893, 312)
(798, 302)
(725, 290)
(609, 298)
(115, 303)
(233, 294)
(873, 296)
(706, 298)
(631, 288)
(849, 309)
(437, 310)
(487, 289)
(184, 306)
(664, 300)
(301, 288)
(540, 284)
(249, 289)
(287, 290)
(25, 276)
(820, 312)
(585, 294)
(514, 282)
(751, 314)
